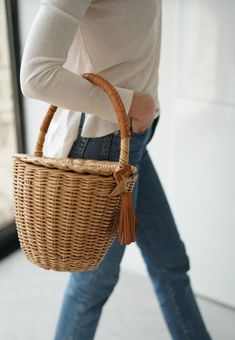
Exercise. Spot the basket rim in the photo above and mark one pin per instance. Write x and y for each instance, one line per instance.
(78, 165)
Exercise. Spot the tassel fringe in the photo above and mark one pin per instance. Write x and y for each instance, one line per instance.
(127, 221)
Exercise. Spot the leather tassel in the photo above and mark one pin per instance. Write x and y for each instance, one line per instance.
(127, 221)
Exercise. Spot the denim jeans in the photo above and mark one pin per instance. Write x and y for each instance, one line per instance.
(160, 244)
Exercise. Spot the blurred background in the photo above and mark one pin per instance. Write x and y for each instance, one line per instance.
(194, 153)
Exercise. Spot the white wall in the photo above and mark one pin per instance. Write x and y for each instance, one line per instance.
(193, 148)
(193, 145)
(202, 157)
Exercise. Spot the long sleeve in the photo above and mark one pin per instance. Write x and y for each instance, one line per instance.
(42, 74)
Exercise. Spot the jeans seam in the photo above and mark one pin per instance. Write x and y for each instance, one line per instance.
(110, 147)
(183, 325)
(80, 312)
(81, 147)
(164, 273)
(106, 147)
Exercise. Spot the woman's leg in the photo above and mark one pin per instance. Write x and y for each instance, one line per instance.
(85, 295)
(86, 292)
(165, 256)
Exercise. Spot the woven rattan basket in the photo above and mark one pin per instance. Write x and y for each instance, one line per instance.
(68, 211)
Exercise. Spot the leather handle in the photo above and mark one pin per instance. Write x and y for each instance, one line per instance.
(115, 98)
(118, 106)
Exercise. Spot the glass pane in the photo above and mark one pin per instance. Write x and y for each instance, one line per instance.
(7, 125)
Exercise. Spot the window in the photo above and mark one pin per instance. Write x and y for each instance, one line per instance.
(11, 124)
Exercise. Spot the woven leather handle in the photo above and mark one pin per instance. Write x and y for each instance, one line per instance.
(118, 106)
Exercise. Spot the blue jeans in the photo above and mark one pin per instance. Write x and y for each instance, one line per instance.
(158, 239)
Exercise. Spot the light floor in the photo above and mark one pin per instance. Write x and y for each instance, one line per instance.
(30, 299)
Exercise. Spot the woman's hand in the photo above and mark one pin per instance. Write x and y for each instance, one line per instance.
(142, 111)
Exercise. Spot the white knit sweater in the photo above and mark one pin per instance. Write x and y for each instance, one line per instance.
(118, 39)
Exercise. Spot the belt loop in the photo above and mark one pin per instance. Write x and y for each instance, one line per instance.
(82, 119)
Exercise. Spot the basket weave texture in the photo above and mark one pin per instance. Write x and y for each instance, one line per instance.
(67, 210)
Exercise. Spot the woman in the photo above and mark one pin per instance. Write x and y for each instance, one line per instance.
(120, 40)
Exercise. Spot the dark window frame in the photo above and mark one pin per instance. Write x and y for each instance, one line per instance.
(8, 235)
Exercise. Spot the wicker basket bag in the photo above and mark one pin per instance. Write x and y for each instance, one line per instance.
(68, 211)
